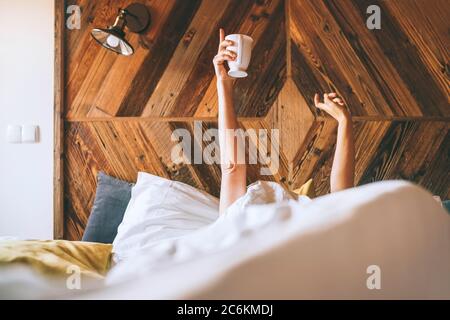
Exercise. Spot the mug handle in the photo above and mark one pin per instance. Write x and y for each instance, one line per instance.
(240, 49)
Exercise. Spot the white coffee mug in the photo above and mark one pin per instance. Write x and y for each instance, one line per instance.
(242, 46)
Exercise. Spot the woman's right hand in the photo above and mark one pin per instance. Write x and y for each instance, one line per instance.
(223, 55)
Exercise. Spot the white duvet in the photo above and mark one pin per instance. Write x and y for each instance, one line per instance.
(302, 249)
(293, 250)
(172, 221)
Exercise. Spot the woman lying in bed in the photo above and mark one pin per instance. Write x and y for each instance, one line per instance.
(233, 185)
(168, 221)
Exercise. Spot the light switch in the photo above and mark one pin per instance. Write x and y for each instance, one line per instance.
(14, 133)
(29, 134)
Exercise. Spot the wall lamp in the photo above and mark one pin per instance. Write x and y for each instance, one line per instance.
(135, 17)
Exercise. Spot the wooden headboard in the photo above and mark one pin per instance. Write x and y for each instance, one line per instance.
(116, 114)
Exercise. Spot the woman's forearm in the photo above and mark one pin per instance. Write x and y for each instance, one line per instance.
(233, 183)
(227, 121)
(343, 169)
(233, 171)
(227, 114)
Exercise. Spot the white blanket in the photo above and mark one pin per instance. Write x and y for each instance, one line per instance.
(321, 249)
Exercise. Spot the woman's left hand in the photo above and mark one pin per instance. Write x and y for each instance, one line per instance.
(333, 105)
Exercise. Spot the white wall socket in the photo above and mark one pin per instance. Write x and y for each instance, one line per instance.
(29, 134)
(22, 134)
(14, 133)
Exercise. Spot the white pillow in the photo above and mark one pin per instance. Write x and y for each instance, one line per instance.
(161, 209)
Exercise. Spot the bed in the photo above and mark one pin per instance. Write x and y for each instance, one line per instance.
(386, 240)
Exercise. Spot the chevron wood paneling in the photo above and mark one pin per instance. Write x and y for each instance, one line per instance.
(120, 112)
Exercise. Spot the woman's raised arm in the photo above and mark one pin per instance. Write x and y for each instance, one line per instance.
(233, 183)
(343, 169)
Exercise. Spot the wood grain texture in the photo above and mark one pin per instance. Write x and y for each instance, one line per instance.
(58, 124)
(121, 112)
(399, 50)
(406, 151)
(426, 26)
(317, 34)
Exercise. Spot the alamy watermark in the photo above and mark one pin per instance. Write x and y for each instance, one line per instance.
(374, 20)
(74, 20)
(374, 280)
(73, 281)
(261, 147)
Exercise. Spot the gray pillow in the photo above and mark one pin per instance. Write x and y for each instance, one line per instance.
(111, 200)
(446, 205)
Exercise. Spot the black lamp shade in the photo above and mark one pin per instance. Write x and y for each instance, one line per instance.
(113, 39)
(135, 17)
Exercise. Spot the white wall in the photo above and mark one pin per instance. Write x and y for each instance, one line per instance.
(26, 97)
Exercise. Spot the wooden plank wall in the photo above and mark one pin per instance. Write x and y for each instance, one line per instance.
(120, 111)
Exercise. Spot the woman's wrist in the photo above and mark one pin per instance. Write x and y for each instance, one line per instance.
(345, 118)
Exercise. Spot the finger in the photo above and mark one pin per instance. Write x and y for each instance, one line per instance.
(326, 99)
(221, 57)
(332, 95)
(221, 35)
(218, 59)
(229, 57)
(338, 100)
(316, 100)
(224, 44)
(228, 52)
